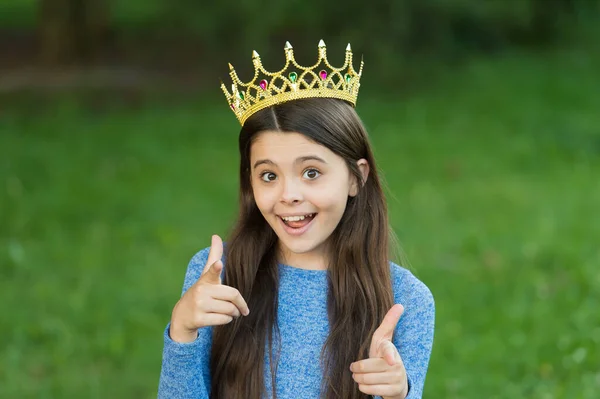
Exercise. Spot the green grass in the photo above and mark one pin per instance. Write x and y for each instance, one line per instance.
(494, 175)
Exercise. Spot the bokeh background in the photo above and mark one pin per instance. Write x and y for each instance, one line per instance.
(118, 161)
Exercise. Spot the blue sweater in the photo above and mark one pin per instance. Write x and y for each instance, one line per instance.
(304, 326)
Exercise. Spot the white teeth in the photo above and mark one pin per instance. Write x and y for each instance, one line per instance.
(295, 218)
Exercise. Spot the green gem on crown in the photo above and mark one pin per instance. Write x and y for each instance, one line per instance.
(240, 95)
(293, 76)
(348, 77)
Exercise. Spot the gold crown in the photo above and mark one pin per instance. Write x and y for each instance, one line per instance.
(292, 82)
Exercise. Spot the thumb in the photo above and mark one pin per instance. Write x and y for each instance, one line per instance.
(213, 274)
(385, 332)
(388, 351)
(215, 253)
(391, 319)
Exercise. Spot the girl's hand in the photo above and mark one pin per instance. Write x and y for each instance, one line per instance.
(383, 374)
(207, 302)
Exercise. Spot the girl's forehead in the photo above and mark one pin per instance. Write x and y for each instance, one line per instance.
(285, 143)
(289, 148)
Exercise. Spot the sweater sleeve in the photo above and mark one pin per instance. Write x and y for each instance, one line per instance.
(185, 371)
(414, 333)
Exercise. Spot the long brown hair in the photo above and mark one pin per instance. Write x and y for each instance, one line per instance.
(359, 291)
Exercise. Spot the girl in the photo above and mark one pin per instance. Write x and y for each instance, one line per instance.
(302, 302)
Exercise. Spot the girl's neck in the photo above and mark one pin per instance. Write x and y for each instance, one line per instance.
(313, 260)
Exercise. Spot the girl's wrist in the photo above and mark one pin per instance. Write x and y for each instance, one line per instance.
(178, 332)
(182, 335)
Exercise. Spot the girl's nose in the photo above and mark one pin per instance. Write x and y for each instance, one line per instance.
(291, 192)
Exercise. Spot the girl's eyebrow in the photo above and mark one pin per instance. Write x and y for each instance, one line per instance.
(263, 162)
(297, 161)
(309, 158)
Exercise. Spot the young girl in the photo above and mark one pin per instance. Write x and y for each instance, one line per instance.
(302, 302)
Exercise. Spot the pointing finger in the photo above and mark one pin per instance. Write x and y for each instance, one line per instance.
(371, 365)
(232, 295)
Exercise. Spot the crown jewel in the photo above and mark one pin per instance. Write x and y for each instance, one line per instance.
(292, 82)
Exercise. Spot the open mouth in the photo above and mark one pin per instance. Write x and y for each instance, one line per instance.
(297, 222)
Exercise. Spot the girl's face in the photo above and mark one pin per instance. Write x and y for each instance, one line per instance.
(301, 189)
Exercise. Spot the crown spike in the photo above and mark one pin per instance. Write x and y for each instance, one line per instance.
(256, 61)
(361, 65)
(322, 52)
(234, 76)
(289, 54)
(230, 66)
(349, 63)
(348, 48)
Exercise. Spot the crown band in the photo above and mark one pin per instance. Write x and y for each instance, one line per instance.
(292, 82)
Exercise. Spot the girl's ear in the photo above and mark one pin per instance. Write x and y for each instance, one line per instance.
(363, 167)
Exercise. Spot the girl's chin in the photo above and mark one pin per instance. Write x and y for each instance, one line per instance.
(298, 249)
(299, 246)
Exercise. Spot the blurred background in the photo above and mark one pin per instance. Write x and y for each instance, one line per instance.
(118, 160)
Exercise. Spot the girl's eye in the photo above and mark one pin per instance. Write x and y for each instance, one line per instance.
(311, 174)
(268, 176)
